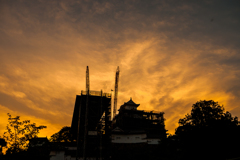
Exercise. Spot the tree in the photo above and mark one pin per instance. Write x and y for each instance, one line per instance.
(207, 113)
(2, 144)
(19, 133)
(208, 131)
(64, 135)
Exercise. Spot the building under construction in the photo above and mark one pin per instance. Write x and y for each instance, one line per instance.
(91, 123)
(95, 132)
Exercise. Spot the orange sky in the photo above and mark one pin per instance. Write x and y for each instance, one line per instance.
(171, 54)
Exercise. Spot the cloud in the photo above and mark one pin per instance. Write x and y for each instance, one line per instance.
(170, 54)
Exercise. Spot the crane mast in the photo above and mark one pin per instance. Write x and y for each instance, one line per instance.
(116, 92)
(87, 80)
(86, 116)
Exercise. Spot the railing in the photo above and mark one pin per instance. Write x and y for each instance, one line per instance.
(96, 93)
(152, 111)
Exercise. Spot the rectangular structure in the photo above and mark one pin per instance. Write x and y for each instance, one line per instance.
(91, 123)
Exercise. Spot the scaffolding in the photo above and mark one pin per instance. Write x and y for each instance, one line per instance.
(91, 124)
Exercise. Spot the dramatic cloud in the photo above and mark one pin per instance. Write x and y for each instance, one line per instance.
(171, 54)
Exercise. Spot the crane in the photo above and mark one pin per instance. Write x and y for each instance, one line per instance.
(116, 92)
(87, 80)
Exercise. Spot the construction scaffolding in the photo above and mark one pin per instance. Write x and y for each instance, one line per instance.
(91, 124)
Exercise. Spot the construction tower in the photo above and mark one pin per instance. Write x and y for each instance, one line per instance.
(91, 123)
(116, 92)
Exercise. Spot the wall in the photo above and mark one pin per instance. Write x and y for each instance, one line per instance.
(57, 155)
(132, 138)
(153, 141)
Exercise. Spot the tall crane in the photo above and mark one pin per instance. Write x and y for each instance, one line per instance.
(86, 120)
(86, 116)
(87, 80)
(116, 92)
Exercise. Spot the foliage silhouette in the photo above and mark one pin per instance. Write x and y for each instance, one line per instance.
(19, 133)
(208, 132)
(64, 135)
(3, 143)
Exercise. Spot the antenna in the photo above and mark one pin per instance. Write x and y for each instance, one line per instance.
(87, 80)
(116, 92)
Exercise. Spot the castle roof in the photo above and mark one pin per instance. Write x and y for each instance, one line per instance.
(131, 103)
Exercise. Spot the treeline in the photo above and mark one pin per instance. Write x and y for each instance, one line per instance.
(207, 132)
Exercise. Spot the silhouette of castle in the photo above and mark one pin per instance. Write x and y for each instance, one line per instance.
(95, 132)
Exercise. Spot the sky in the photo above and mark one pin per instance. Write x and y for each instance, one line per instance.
(171, 54)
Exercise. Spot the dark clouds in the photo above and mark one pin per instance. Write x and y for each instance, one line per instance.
(171, 54)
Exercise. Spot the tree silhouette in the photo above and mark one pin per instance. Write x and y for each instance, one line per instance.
(19, 133)
(64, 135)
(205, 113)
(2, 144)
(208, 132)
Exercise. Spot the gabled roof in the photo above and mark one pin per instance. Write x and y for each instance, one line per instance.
(131, 103)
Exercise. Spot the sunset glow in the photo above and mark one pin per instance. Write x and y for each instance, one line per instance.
(171, 54)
